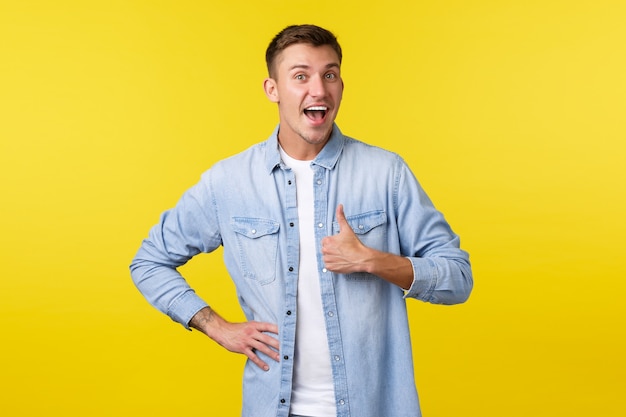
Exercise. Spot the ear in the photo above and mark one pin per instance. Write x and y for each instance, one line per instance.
(271, 90)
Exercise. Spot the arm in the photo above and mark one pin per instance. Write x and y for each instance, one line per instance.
(443, 276)
(182, 233)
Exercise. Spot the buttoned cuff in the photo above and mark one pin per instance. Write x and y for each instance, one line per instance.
(424, 279)
(185, 307)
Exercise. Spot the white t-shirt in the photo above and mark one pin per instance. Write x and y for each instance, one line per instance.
(313, 391)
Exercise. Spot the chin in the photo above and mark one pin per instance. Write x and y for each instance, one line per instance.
(317, 139)
(321, 134)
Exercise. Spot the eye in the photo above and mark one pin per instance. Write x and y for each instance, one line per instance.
(300, 77)
(330, 76)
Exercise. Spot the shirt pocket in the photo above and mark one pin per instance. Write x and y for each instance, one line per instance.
(257, 241)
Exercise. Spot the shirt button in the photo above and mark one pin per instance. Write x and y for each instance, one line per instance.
(291, 269)
(285, 357)
(331, 314)
(341, 402)
(282, 401)
(337, 358)
(319, 182)
(320, 225)
(291, 224)
(324, 270)
(289, 182)
(361, 227)
(253, 231)
(289, 312)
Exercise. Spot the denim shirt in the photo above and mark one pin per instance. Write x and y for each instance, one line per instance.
(247, 204)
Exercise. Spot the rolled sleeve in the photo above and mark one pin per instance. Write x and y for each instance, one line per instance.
(185, 307)
(424, 279)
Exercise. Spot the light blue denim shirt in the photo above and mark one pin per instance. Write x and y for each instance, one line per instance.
(247, 204)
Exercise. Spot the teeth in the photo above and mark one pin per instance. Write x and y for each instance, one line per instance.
(315, 108)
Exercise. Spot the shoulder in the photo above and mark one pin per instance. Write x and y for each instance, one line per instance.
(253, 153)
(243, 163)
(354, 148)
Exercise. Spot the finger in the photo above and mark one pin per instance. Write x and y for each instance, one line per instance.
(266, 327)
(251, 354)
(258, 347)
(269, 341)
(267, 351)
(265, 342)
(341, 219)
(325, 243)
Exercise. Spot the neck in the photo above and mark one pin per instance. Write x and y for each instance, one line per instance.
(300, 149)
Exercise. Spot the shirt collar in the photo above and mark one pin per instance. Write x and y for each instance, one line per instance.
(327, 158)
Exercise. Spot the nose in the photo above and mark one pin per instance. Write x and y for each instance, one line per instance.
(317, 86)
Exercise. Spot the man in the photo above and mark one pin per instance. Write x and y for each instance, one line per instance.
(324, 237)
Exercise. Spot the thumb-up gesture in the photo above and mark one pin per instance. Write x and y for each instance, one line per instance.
(344, 253)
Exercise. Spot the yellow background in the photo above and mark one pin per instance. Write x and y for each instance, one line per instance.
(511, 113)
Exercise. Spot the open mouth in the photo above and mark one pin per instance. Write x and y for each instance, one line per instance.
(316, 113)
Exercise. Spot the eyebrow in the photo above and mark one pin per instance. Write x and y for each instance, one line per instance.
(304, 66)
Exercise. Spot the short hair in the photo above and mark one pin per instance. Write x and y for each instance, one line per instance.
(295, 34)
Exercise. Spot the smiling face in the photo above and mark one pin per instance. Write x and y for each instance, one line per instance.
(307, 87)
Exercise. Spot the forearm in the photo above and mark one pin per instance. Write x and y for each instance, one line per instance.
(208, 322)
(393, 268)
(435, 280)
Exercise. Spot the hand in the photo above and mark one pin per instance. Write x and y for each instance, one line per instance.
(246, 338)
(344, 253)
(249, 338)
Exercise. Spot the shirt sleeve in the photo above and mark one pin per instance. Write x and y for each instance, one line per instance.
(441, 269)
(181, 233)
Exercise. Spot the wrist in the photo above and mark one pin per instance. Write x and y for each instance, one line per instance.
(370, 261)
(203, 320)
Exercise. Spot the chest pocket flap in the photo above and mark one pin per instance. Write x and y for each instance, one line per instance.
(254, 228)
(365, 222)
